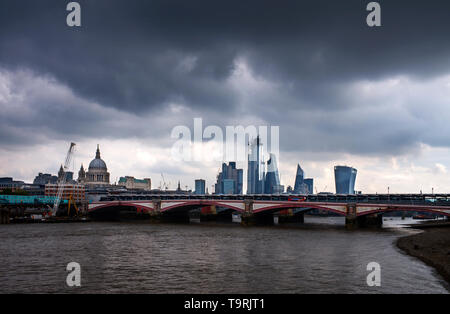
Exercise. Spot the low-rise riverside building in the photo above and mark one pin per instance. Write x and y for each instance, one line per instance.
(131, 183)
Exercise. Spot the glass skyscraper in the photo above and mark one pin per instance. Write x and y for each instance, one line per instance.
(300, 186)
(272, 178)
(229, 180)
(255, 170)
(345, 178)
(228, 186)
(200, 186)
(310, 185)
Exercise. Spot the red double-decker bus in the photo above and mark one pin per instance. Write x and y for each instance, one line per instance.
(297, 199)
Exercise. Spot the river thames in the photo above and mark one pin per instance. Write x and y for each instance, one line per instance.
(317, 257)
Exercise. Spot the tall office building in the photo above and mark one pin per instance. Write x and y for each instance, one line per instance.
(45, 178)
(255, 170)
(345, 178)
(310, 185)
(228, 186)
(230, 180)
(300, 187)
(272, 178)
(200, 186)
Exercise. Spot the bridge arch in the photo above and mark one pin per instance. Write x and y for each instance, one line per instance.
(186, 205)
(334, 208)
(114, 208)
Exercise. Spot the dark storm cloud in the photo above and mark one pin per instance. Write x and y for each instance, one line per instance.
(127, 52)
(140, 56)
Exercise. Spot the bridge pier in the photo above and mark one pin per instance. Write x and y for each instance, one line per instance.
(368, 221)
(371, 221)
(353, 221)
(4, 216)
(154, 216)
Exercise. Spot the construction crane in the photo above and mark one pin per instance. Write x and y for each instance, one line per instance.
(165, 186)
(69, 206)
(63, 178)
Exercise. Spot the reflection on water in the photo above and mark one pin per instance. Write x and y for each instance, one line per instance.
(396, 222)
(320, 256)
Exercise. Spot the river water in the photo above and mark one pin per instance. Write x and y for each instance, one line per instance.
(317, 257)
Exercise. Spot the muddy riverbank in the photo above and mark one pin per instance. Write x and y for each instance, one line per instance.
(432, 246)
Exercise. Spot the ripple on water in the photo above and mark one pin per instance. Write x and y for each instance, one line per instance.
(127, 257)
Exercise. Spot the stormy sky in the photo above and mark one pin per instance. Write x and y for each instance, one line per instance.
(376, 98)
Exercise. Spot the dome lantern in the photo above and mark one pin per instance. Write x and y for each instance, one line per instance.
(97, 163)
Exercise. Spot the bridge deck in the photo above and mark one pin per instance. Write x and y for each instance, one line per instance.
(348, 205)
(394, 199)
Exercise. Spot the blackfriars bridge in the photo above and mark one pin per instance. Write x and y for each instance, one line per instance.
(359, 210)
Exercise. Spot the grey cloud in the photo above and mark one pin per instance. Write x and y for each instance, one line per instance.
(138, 57)
(126, 53)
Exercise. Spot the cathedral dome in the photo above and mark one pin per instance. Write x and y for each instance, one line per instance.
(97, 163)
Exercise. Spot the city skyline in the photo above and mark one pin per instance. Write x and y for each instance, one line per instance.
(287, 178)
(188, 185)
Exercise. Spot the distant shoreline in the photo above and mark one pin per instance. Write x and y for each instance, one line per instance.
(432, 246)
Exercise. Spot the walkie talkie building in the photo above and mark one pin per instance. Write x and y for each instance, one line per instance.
(345, 178)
